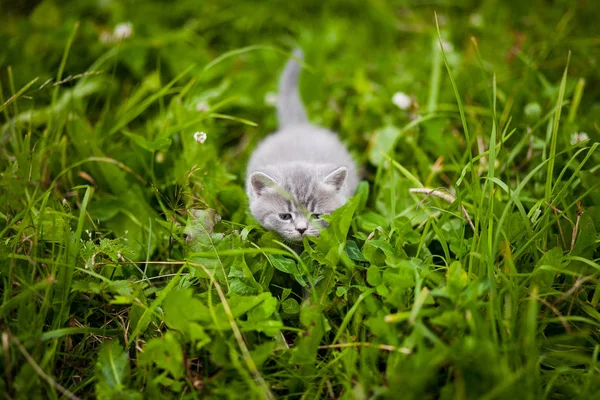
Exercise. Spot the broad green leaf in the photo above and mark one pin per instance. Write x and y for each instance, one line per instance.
(370, 221)
(544, 277)
(284, 264)
(262, 352)
(401, 276)
(456, 279)
(241, 280)
(198, 335)
(354, 252)
(112, 372)
(376, 251)
(181, 308)
(269, 327)
(382, 290)
(166, 353)
(373, 275)
(265, 309)
(240, 305)
(290, 306)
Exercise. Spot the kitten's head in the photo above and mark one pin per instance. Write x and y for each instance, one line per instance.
(293, 203)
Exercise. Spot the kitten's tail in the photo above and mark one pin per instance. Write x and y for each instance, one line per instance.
(290, 110)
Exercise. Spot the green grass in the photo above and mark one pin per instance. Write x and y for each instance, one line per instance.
(130, 267)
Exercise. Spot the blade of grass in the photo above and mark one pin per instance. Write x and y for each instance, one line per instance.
(460, 105)
(576, 100)
(65, 275)
(553, 142)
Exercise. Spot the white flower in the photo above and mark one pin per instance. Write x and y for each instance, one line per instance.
(578, 137)
(271, 98)
(200, 137)
(202, 106)
(447, 46)
(124, 30)
(160, 157)
(402, 100)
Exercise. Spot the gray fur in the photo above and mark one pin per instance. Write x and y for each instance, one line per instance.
(290, 110)
(301, 170)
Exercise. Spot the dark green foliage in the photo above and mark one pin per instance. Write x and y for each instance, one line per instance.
(130, 267)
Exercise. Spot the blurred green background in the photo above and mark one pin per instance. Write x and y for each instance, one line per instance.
(99, 166)
(360, 54)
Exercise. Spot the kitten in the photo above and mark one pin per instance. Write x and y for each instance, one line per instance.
(300, 172)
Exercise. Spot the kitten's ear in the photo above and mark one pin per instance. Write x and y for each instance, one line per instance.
(261, 182)
(337, 178)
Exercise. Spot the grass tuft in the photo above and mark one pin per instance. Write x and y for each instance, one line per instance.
(466, 266)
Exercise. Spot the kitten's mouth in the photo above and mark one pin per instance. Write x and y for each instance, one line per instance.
(299, 236)
(296, 238)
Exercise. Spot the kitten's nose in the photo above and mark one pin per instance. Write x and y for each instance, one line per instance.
(301, 230)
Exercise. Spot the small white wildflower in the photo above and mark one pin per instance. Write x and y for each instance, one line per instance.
(578, 137)
(160, 157)
(200, 137)
(271, 98)
(447, 46)
(124, 30)
(402, 100)
(202, 106)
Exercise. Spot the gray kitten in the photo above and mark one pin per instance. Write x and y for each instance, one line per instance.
(300, 172)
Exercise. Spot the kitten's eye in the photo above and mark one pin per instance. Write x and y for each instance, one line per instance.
(316, 216)
(285, 216)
